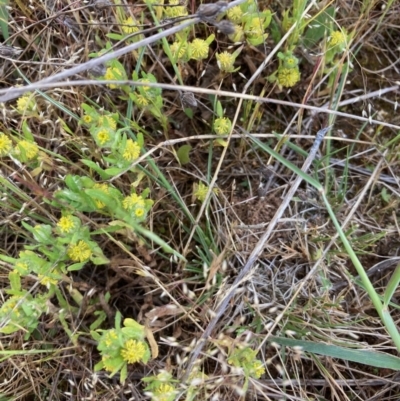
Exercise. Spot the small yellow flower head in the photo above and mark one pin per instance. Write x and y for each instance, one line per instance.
(130, 26)
(200, 191)
(22, 268)
(198, 49)
(111, 338)
(164, 392)
(46, 280)
(104, 188)
(175, 10)
(222, 126)
(141, 101)
(235, 14)
(133, 351)
(337, 38)
(79, 252)
(103, 136)
(107, 363)
(5, 144)
(113, 74)
(254, 28)
(133, 201)
(225, 61)
(107, 121)
(179, 49)
(87, 119)
(26, 103)
(238, 35)
(288, 77)
(140, 211)
(28, 150)
(131, 151)
(257, 370)
(66, 224)
(290, 62)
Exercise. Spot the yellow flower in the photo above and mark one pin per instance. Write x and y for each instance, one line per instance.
(113, 74)
(198, 49)
(26, 149)
(175, 10)
(288, 77)
(200, 191)
(141, 101)
(225, 61)
(79, 252)
(5, 144)
(238, 35)
(66, 224)
(131, 151)
(103, 136)
(164, 392)
(46, 280)
(108, 121)
(87, 119)
(235, 14)
(104, 188)
(222, 126)
(257, 369)
(108, 366)
(337, 38)
(133, 201)
(130, 26)
(139, 212)
(26, 103)
(22, 268)
(291, 62)
(133, 351)
(111, 338)
(254, 28)
(179, 49)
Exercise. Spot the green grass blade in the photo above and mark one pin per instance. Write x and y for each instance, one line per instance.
(366, 357)
(391, 287)
(4, 19)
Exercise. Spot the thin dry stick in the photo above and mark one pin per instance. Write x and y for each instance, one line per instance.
(256, 251)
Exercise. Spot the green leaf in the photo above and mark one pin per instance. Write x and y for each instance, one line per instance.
(114, 36)
(96, 168)
(4, 19)
(318, 28)
(391, 287)
(15, 280)
(366, 357)
(183, 154)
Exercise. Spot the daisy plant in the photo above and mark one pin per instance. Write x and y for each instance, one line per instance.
(121, 346)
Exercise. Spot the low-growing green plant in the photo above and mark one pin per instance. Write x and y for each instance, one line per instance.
(121, 346)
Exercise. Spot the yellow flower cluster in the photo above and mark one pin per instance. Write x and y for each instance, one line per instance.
(105, 189)
(113, 74)
(79, 252)
(26, 103)
(225, 61)
(130, 26)
(222, 126)
(174, 10)
(66, 224)
(288, 77)
(5, 144)
(131, 151)
(198, 49)
(164, 392)
(28, 150)
(134, 203)
(235, 14)
(337, 38)
(133, 351)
